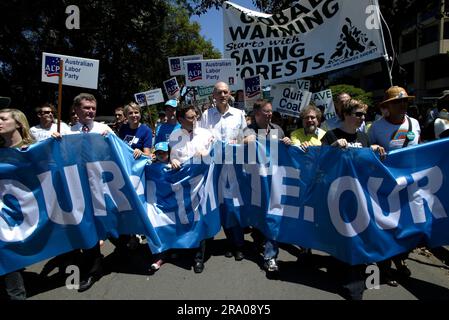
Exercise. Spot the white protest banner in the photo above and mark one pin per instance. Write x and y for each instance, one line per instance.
(176, 64)
(78, 72)
(148, 98)
(252, 91)
(172, 88)
(309, 38)
(303, 84)
(209, 72)
(288, 99)
(324, 101)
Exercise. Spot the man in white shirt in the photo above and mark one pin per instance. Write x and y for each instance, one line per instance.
(186, 143)
(85, 106)
(228, 124)
(47, 124)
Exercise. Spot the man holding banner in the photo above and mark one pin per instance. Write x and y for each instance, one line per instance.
(268, 131)
(228, 124)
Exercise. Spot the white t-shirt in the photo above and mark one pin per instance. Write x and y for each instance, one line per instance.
(40, 133)
(185, 145)
(94, 127)
(392, 136)
(225, 127)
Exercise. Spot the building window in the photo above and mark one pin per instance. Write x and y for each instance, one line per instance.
(429, 35)
(408, 41)
(436, 67)
(446, 29)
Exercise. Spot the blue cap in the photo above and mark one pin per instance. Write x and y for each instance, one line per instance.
(161, 146)
(172, 103)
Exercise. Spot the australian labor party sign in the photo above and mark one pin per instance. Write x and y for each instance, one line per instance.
(149, 97)
(176, 64)
(209, 72)
(252, 91)
(172, 88)
(288, 99)
(309, 38)
(78, 72)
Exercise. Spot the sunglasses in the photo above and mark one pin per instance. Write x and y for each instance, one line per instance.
(359, 114)
(46, 112)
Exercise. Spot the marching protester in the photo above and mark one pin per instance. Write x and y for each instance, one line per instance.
(164, 130)
(395, 131)
(352, 114)
(268, 131)
(228, 124)
(120, 119)
(441, 125)
(310, 134)
(137, 135)
(14, 133)
(47, 124)
(186, 143)
(73, 117)
(85, 106)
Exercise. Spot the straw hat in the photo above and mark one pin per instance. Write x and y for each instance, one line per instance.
(396, 93)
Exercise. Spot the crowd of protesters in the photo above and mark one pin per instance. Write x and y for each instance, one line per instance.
(397, 125)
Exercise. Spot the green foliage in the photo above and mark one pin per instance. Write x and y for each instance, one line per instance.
(354, 92)
(132, 40)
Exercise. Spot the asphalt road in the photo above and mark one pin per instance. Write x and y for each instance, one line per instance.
(224, 278)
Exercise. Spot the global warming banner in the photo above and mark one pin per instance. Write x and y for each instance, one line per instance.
(311, 37)
(60, 195)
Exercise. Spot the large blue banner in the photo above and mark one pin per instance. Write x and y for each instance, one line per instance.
(68, 194)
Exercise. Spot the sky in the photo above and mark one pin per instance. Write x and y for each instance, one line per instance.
(212, 23)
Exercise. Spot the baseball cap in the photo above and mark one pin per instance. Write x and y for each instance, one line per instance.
(161, 146)
(172, 103)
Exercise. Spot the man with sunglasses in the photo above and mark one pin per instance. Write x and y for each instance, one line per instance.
(47, 124)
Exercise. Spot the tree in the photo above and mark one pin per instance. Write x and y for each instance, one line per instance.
(354, 92)
(132, 40)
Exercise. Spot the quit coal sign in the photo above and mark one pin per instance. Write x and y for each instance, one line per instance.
(288, 99)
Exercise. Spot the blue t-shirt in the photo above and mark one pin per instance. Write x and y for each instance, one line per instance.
(163, 131)
(139, 138)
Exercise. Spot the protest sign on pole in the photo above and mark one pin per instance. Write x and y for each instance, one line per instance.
(252, 91)
(288, 99)
(324, 101)
(148, 98)
(204, 94)
(78, 72)
(172, 88)
(303, 84)
(209, 72)
(309, 38)
(176, 64)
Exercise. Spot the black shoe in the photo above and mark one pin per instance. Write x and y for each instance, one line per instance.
(86, 284)
(228, 254)
(238, 255)
(198, 267)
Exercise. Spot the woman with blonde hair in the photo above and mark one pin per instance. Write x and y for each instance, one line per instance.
(14, 133)
(14, 129)
(137, 135)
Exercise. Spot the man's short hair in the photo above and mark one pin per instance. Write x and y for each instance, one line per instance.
(181, 113)
(46, 105)
(83, 96)
(311, 107)
(119, 109)
(260, 103)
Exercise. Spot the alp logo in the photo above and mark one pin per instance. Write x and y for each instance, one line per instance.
(352, 42)
(252, 87)
(194, 71)
(51, 66)
(140, 98)
(172, 87)
(175, 64)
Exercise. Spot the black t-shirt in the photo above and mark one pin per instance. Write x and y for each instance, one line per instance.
(355, 140)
